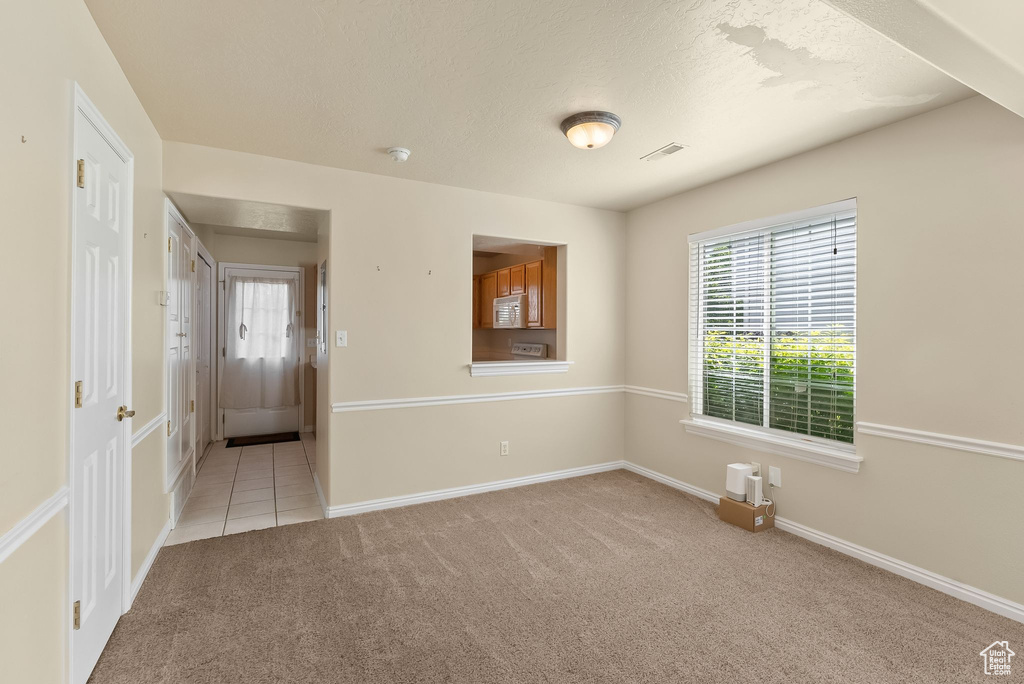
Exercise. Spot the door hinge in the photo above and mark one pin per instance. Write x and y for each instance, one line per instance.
(193, 265)
(76, 614)
(168, 428)
(81, 173)
(168, 244)
(78, 394)
(191, 405)
(224, 352)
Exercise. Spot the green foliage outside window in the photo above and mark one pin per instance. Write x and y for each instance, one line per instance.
(810, 383)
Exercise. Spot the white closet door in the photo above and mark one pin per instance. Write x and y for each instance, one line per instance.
(98, 438)
(180, 379)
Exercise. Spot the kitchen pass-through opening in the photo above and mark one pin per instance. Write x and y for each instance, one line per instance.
(518, 303)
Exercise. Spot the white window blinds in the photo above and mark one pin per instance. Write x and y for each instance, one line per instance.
(772, 323)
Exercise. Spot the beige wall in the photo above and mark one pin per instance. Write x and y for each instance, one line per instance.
(400, 269)
(33, 593)
(45, 46)
(939, 263)
(252, 250)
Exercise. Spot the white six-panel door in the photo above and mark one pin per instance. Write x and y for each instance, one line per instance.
(99, 441)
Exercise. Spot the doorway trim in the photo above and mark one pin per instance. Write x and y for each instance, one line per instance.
(82, 104)
(221, 337)
(206, 256)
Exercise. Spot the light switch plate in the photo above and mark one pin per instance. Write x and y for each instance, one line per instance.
(342, 338)
(311, 343)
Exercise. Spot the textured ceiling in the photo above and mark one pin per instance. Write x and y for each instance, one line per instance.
(251, 219)
(476, 89)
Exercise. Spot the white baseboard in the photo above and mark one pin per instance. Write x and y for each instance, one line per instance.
(964, 592)
(147, 564)
(307, 428)
(455, 492)
(320, 495)
(671, 482)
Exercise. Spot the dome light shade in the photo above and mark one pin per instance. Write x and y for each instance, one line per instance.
(590, 130)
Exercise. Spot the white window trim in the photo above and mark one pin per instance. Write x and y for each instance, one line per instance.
(829, 453)
(813, 450)
(489, 368)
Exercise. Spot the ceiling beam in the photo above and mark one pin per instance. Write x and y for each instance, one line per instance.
(963, 47)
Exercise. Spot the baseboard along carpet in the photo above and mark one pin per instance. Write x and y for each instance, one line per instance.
(605, 578)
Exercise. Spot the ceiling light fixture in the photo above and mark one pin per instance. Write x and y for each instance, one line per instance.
(590, 130)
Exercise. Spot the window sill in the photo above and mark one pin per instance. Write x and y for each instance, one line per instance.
(837, 457)
(488, 368)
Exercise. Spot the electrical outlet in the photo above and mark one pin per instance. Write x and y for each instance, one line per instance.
(757, 468)
(774, 476)
(503, 449)
(342, 338)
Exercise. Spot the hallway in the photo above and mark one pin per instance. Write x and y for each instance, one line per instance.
(250, 488)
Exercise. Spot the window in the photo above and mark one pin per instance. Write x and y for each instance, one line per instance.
(772, 323)
(261, 318)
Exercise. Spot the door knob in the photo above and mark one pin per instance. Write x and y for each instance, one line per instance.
(182, 334)
(123, 412)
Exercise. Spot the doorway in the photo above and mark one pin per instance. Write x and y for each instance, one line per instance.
(100, 420)
(260, 387)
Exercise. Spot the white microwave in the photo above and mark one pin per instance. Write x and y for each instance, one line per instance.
(509, 312)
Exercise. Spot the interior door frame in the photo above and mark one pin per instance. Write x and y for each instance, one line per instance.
(205, 255)
(222, 337)
(81, 104)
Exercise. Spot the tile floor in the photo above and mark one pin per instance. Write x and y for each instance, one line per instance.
(249, 488)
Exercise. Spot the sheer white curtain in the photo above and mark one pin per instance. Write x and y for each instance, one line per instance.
(261, 356)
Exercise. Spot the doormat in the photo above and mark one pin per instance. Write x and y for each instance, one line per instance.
(263, 439)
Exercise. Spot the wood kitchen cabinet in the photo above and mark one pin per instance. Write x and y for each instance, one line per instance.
(517, 279)
(536, 279)
(488, 291)
(503, 282)
(476, 302)
(534, 287)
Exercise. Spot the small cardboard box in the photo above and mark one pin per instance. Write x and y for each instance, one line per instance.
(742, 514)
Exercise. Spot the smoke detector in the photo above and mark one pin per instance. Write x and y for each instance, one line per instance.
(398, 154)
(671, 148)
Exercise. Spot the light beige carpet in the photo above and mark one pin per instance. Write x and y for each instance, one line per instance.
(607, 578)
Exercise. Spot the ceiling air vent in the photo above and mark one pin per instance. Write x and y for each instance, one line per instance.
(671, 148)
